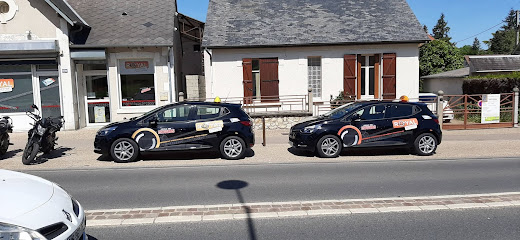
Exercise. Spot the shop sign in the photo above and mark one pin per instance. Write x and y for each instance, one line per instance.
(135, 67)
(6, 85)
(490, 108)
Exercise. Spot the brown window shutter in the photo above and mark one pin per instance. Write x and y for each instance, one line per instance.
(376, 75)
(269, 81)
(349, 75)
(389, 75)
(247, 65)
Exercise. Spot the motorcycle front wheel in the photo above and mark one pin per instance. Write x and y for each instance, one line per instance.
(30, 151)
(4, 143)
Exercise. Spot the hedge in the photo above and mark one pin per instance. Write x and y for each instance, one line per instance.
(490, 85)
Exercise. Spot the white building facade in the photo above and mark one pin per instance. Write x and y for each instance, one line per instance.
(297, 72)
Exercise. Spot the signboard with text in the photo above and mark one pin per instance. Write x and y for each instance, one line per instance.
(6, 85)
(490, 108)
(132, 67)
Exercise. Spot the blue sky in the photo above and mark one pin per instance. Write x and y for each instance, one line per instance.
(465, 17)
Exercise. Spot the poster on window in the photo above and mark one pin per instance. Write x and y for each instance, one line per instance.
(6, 85)
(490, 108)
(99, 114)
(129, 67)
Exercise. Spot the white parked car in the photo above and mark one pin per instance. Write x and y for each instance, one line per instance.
(430, 100)
(33, 208)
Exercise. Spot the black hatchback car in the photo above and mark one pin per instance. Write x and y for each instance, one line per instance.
(369, 124)
(181, 126)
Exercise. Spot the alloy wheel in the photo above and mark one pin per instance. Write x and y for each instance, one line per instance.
(329, 146)
(124, 150)
(427, 144)
(233, 148)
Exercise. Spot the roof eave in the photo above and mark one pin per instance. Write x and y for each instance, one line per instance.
(315, 44)
(118, 46)
(64, 16)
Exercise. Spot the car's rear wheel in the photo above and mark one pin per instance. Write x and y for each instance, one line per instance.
(124, 150)
(233, 148)
(329, 146)
(425, 144)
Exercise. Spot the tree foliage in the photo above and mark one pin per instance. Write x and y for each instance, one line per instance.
(441, 29)
(476, 46)
(504, 40)
(439, 56)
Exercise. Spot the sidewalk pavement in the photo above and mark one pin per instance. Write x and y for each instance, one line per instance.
(111, 217)
(75, 151)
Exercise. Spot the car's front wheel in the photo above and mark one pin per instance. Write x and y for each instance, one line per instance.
(329, 146)
(425, 144)
(233, 148)
(124, 150)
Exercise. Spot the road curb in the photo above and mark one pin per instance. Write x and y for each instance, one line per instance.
(197, 213)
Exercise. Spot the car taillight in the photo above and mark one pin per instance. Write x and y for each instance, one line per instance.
(436, 120)
(246, 123)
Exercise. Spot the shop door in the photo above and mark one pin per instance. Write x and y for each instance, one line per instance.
(96, 99)
(50, 95)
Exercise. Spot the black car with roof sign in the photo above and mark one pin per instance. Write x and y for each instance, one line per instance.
(181, 126)
(369, 124)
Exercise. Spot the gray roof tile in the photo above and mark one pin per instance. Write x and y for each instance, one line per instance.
(458, 73)
(244, 23)
(110, 28)
(494, 63)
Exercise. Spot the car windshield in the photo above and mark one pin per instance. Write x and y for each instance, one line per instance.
(341, 111)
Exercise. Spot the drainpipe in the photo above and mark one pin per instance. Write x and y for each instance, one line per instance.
(177, 52)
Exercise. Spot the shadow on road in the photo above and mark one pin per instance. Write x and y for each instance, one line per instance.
(10, 154)
(180, 155)
(382, 151)
(237, 185)
(56, 153)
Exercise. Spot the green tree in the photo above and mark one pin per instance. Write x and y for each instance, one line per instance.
(425, 28)
(441, 29)
(467, 50)
(504, 40)
(439, 56)
(476, 46)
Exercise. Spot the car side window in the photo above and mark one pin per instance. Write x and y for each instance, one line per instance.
(174, 114)
(374, 112)
(207, 112)
(399, 111)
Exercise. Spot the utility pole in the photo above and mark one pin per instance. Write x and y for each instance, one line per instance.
(517, 28)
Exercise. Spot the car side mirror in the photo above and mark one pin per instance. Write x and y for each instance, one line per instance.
(153, 121)
(355, 118)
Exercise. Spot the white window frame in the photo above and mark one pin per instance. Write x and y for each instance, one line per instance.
(90, 73)
(317, 93)
(366, 69)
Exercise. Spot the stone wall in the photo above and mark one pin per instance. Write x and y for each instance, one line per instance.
(195, 87)
(276, 123)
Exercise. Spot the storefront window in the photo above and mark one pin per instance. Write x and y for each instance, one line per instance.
(137, 83)
(50, 96)
(16, 93)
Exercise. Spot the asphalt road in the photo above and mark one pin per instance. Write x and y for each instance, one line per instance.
(174, 186)
(474, 224)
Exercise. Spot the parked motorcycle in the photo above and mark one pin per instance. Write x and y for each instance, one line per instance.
(42, 136)
(6, 127)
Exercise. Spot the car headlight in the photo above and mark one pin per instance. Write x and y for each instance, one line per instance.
(8, 231)
(311, 129)
(41, 130)
(106, 131)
